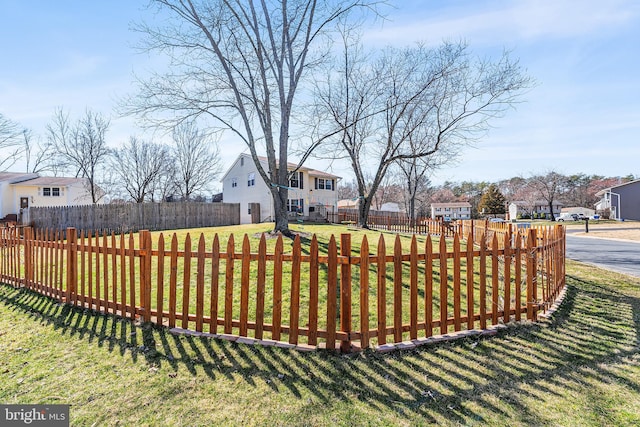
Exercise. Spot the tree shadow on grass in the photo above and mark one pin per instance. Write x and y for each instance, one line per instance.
(475, 380)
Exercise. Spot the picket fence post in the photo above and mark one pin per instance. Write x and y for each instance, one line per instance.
(72, 265)
(345, 292)
(145, 274)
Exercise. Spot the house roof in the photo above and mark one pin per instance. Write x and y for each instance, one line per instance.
(451, 205)
(13, 177)
(310, 171)
(536, 203)
(606, 190)
(51, 180)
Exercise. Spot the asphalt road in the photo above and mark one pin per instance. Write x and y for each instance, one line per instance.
(615, 255)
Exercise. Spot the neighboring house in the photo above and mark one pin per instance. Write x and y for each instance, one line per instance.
(451, 210)
(391, 207)
(19, 191)
(348, 203)
(312, 193)
(622, 201)
(538, 207)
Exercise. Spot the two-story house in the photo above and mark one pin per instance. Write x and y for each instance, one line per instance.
(533, 208)
(621, 201)
(312, 193)
(451, 210)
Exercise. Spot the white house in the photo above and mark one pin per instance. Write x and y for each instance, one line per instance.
(312, 193)
(19, 191)
(538, 207)
(451, 210)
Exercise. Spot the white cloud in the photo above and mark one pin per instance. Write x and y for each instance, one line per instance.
(485, 22)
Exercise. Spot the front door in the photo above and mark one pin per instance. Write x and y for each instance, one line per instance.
(24, 202)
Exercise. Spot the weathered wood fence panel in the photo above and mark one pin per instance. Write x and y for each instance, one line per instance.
(349, 297)
(131, 217)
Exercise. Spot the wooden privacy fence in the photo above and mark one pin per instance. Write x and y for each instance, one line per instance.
(325, 293)
(133, 216)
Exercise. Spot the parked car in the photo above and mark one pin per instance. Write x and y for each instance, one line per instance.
(497, 220)
(566, 217)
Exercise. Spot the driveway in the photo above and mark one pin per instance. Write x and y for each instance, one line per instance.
(622, 256)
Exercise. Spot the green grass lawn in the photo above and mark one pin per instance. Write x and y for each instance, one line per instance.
(582, 368)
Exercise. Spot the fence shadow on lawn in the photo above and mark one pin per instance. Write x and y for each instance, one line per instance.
(509, 375)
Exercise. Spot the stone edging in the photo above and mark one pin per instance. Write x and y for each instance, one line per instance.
(384, 348)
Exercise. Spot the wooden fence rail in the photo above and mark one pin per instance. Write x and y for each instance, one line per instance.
(335, 293)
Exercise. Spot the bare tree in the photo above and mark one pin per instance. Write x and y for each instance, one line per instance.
(10, 144)
(197, 160)
(81, 147)
(438, 98)
(165, 185)
(550, 187)
(139, 166)
(38, 157)
(348, 190)
(241, 64)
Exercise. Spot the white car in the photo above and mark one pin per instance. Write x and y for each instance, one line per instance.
(566, 217)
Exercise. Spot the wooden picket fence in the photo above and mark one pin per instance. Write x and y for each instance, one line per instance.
(321, 294)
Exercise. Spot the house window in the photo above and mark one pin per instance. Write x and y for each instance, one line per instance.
(241, 161)
(328, 184)
(251, 180)
(51, 191)
(295, 205)
(234, 182)
(296, 181)
(320, 184)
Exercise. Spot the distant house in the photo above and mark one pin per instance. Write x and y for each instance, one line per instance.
(312, 193)
(451, 210)
(391, 207)
(535, 208)
(348, 203)
(19, 191)
(622, 201)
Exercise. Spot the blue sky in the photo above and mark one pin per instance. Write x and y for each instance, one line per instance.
(583, 115)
